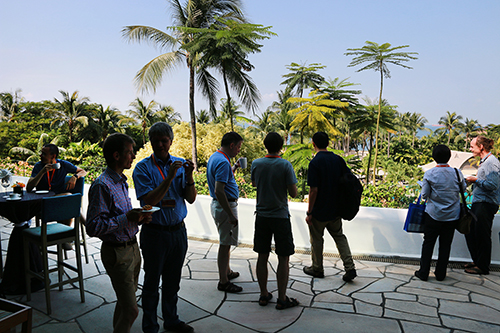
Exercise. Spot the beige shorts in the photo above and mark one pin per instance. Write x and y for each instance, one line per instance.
(228, 233)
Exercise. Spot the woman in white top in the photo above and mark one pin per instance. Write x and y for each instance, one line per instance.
(441, 190)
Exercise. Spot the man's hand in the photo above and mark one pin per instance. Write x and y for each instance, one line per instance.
(471, 179)
(71, 184)
(173, 169)
(233, 220)
(309, 220)
(188, 166)
(136, 215)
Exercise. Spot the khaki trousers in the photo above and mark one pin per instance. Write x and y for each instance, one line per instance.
(316, 231)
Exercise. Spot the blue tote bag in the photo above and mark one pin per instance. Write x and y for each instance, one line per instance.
(415, 217)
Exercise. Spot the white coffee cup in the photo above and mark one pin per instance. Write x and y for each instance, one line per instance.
(14, 195)
(56, 165)
(243, 162)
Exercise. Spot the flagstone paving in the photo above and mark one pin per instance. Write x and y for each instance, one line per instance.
(385, 297)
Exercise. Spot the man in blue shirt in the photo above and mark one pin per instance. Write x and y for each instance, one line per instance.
(485, 201)
(224, 207)
(164, 181)
(325, 170)
(274, 178)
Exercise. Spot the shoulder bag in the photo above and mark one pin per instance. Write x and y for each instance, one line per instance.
(415, 217)
(466, 215)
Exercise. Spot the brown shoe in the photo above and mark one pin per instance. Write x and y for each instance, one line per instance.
(181, 327)
(310, 271)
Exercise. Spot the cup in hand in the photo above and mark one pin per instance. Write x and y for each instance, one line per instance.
(243, 162)
(56, 165)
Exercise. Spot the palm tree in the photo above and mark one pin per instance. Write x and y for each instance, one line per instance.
(10, 104)
(302, 77)
(471, 128)
(34, 155)
(109, 120)
(167, 114)
(377, 57)
(282, 117)
(193, 13)
(145, 114)
(230, 111)
(315, 112)
(450, 121)
(202, 117)
(71, 110)
(416, 122)
(265, 122)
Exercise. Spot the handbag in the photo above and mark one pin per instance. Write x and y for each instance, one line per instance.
(466, 215)
(415, 217)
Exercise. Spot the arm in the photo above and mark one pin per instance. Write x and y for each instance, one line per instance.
(33, 181)
(154, 196)
(190, 190)
(292, 190)
(491, 180)
(222, 199)
(426, 189)
(72, 181)
(313, 193)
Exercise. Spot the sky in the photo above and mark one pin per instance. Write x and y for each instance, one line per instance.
(52, 45)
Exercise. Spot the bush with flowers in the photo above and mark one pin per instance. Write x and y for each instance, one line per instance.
(18, 168)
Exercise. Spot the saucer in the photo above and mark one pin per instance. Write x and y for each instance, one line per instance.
(41, 191)
(13, 199)
(152, 210)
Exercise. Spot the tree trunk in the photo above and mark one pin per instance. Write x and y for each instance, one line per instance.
(192, 114)
(369, 160)
(378, 124)
(228, 102)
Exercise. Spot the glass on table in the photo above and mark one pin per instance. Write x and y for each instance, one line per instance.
(6, 181)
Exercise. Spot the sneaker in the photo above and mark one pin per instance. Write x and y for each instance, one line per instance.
(349, 275)
(181, 327)
(310, 271)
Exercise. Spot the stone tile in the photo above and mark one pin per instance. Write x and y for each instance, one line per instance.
(203, 294)
(244, 267)
(39, 318)
(388, 313)
(194, 256)
(383, 285)
(421, 328)
(411, 307)
(101, 286)
(243, 253)
(368, 309)
(466, 287)
(373, 298)
(430, 301)
(485, 300)
(206, 265)
(185, 274)
(217, 324)
(205, 276)
(101, 320)
(400, 296)
(188, 312)
(463, 277)
(331, 271)
(470, 310)
(492, 285)
(324, 284)
(357, 284)
(349, 308)
(405, 278)
(325, 320)
(436, 287)
(433, 293)
(58, 328)
(250, 297)
(468, 325)
(269, 320)
(302, 287)
(332, 297)
(303, 299)
(401, 269)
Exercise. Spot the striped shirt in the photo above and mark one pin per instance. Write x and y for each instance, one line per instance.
(487, 186)
(108, 203)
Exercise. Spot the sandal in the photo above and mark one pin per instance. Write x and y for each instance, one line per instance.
(470, 265)
(229, 287)
(264, 300)
(475, 270)
(233, 275)
(288, 303)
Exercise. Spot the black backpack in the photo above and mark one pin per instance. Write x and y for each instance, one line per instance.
(349, 198)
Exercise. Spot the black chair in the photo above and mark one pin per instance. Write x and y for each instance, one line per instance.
(55, 208)
(79, 186)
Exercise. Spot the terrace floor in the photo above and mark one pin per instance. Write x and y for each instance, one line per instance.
(385, 297)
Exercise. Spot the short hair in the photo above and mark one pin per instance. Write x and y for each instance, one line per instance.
(54, 150)
(487, 143)
(321, 140)
(161, 128)
(230, 137)
(273, 142)
(441, 154)
(115, 143)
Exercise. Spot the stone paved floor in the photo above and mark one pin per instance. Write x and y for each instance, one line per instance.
(385, 297)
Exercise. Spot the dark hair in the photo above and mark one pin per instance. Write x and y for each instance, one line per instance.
(52, 148)
(487, 143)
(231, 137)
(273, 142)
(321, 140)
(441, 154)
(115, 143)
(160, 129)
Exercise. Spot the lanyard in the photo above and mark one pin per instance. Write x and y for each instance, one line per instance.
(159, 169)
(442, 165)
(223, 153)
(273, 156)
(50, 177)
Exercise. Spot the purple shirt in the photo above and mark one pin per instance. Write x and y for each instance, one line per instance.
(108, 203)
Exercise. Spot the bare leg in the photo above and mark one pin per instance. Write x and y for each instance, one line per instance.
(261, 269)
(282, 276)
(223, 263)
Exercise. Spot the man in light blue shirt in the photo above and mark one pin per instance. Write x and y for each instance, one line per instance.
(486, 198)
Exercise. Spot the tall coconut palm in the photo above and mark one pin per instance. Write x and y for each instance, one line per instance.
(416, 122)
(470, 128)
(109, 120)
(231, 111)
(192, 13)
(376, 57)
(71, 110)
(144, 114)
(202, 117)
(450, 121)
(302, 77)
(314, 113)
(283, 118)
(167, 114)
(10, 104)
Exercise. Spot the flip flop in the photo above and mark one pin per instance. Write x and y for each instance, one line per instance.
(233, 275)
(475, 270)
(287, 303)
(264, 300)
(470, 265)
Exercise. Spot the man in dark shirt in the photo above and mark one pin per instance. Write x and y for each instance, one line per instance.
(325, 170)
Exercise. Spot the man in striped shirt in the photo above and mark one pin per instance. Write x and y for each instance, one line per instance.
(111, 218)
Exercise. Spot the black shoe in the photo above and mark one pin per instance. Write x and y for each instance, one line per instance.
(420, 276)
(67, 246)
(310, 271)
(349, 275)
(181, 327)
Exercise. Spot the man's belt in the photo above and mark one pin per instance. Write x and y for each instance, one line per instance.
(170, 228)
(229, 200)
(121, 244)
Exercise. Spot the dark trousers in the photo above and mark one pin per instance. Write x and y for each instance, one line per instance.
(479, 238)
(163, 253)
(432, 230)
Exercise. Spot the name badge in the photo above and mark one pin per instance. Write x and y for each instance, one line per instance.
(168, 203)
